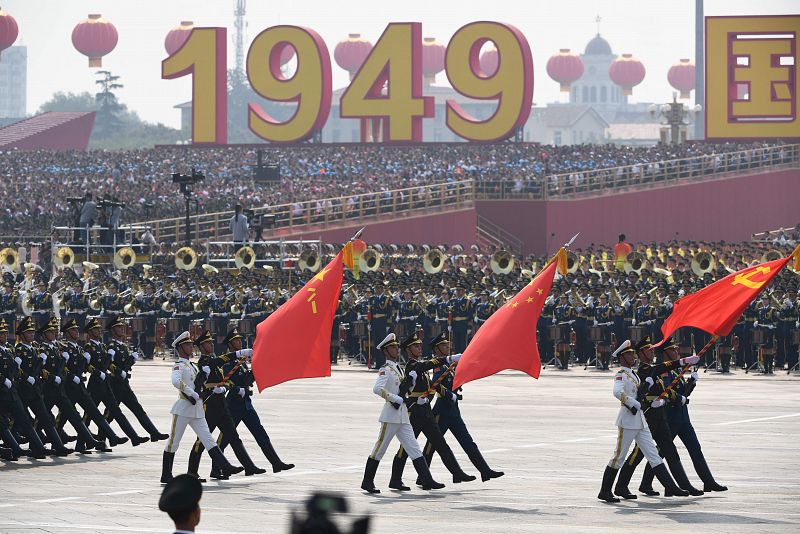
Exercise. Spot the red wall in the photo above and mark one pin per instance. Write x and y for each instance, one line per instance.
(451, 228)
(730, 209)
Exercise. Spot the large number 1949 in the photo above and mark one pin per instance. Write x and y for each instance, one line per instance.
(388, 86)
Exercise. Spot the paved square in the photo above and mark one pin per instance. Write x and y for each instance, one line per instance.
(552, 437)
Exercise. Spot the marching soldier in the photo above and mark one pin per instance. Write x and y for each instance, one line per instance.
(212, 393)
(392, 385)
(420, 414)
(680, 425)
(240, 403)
(448, 414)
(188, 411)
(631, 426)
(462, 318)
(120, 378)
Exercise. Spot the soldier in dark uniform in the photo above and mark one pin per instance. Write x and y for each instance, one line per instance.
(54, 386)
(256, 306)
(338, 318)
(219, 308)
(583, 347)
(462, 318)
(788, 316)
(409, 312)
(420, 413)
(148, 307)
(8, 305)
(240, 404)
(653, 383)
(381, 308)
(113, 305)
(565, 317)
(604, 319)
(184, 309)
(646, 315)
(100, 360)
(680, 425)
(443, 313)
(767, 322)
(542, 328)
(448, 414)
(217, 413)
(483, 310)
(77, 304)
(792, 316)
(41, 305)
(750, 315)
(120, 378)
(31, 366)
(77, 393)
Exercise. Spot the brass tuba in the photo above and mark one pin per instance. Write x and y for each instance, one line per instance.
(771, 255)
(185, 259)
(702, 263)
(245, 258)
(572, 262)
(124, 258)
(433, 261)
(64, 258)
(502, 262)
(370, 260)
(309, 260)
(634, 262)
(9, 259)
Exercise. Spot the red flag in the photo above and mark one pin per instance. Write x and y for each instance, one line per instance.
(716, 308)
(295, 341)
(507, 340)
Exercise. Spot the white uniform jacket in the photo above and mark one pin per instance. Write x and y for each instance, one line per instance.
(389, 378)
(626, 384)
(183, 375)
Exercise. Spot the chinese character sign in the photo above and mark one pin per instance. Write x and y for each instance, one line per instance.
(752, 77)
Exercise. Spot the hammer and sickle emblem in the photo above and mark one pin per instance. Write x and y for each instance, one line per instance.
(744, 278)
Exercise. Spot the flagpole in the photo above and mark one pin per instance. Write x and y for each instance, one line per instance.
(683, 371)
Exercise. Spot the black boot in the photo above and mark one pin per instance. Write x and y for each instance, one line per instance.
(679, 473)
(368, 483)
(703, 471)
(450, 462)
(126, 427)
(425, 474)
(166, 466)
(151, 429)
(396, 482)
(670, 488)
(605, 489)
(224, 465)
(11, 443)
(646, 486)
(241, 454)
(480, 464)
(194, 459)
(58, 447)
(272, 457)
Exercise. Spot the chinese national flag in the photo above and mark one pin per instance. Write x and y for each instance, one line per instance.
(295, 341)
(507, 340)
(716, 308)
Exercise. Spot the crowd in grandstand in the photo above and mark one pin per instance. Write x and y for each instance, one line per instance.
(37, 184)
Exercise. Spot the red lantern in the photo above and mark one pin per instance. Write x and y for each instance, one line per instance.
(177, 36)
(8, 30)
(432, 59)
(681, 77)
(565, 68)
(95, 37)
(351, 53)
(489, 60)
(626, 72)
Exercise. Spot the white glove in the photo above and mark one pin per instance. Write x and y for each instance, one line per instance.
(691, 360)
(31, 380)
(553, 320)
(135, 355)
(123, 374)
(102, 375)
(454, 397)
(633, 322)
(636, 404)
(219, 389)
(112, 353)
(797, 324)
(7, 383)
(695, 376)
(206, 369)
(43, 356)
(241, 393)
(413, 375)
(453, 358)
(18, 361)
(755, 324)
(391, 397)
(195, 396)
(649, 381)
(244, 352)
(594, 323)
(58, 380)
(658, 403)
(422, 400)
(76, 379)
(683, 400)
(65, 355)
(87, 356)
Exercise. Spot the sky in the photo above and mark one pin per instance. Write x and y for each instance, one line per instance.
(657, 33)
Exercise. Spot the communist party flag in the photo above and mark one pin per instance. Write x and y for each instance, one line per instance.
(295, 341)
(507, 340)
(716, 308)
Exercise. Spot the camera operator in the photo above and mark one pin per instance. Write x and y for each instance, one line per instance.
(114, 220)
(87, 215)
(239, 228)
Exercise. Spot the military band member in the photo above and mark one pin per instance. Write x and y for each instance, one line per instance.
(603, 319)
(766, 322)
(120, 377)
(564, 316)
(787, 316)
(240, 403)
(256, 306)
(750, 316)
(408, 312)
(448, 414)
(77, 303)
(462, 318)
(483, 310)
(188, 411)
(420, 413)
(148, 306)
(31, 364)
(212, 393)
(631, 426)
(381, 310)
(112, 303)
(8, 304)
(41, 304)
(680, 425)
(646, 315)
(219, 310)
(392, 385)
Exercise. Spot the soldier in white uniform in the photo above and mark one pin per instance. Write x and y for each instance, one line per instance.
(392, 385)
(188, 410)
(632, 426)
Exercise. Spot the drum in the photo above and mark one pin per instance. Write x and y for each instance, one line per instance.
(173, 325)
(596, 334)
(247, 326)
(635, 334)
(759, 336)
(344, 332)
(360, 329)
(556, 332)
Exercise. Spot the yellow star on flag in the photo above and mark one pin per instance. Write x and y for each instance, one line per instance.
(530, 299)
(539, 291)
(320, 275)
(515, 304)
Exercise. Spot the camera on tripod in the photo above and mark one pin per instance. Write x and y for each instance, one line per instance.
(109, 203)
(187, 181)
(318, 507)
